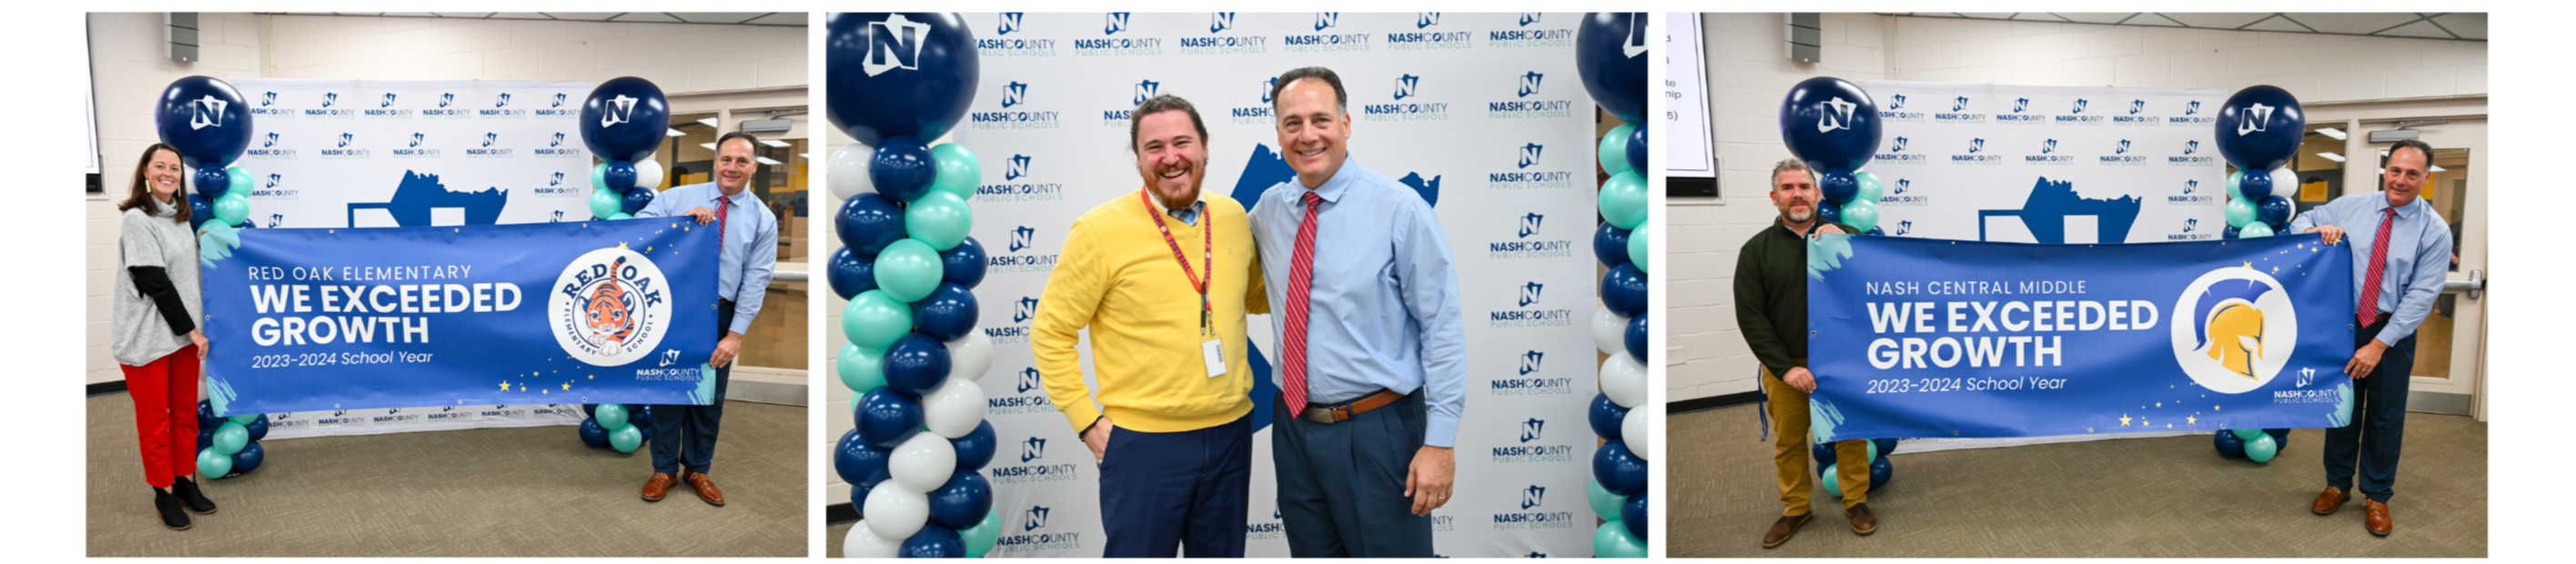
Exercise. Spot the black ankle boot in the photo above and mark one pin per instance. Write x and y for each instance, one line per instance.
(189, 495)
(171, 515)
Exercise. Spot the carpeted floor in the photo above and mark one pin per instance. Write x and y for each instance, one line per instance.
(529, 492)
(2156, 497)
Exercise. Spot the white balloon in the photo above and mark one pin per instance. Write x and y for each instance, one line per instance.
(847, 172)
(2285, 183)
(895, 514)
(970, 356)
(648, 173)
(1633, 430)
(953, 409)
(1609, 331)
(921, 464)
(860, 543)
(1624, 380)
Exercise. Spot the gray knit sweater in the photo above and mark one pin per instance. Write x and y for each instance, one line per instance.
(137, 335)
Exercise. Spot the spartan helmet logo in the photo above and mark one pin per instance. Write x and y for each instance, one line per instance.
(894, 44)
(2231, 328)
(206, 112)
(609, 310)
(2254, 119)
(620, 109)
(1837, 115)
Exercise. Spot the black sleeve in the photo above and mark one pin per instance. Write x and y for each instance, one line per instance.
(155, 283)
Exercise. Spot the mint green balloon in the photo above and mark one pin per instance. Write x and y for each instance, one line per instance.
(1604, 503)
(1861, 214)
(1637, 253)
(959, 172)
(610, 416)
(1611, 540)
(1833, 480)
(1614, 149)
(2261, 448)
(2239, 212)
(618, 216)
(213, 464)
(874, 320)
(2233, 192)
(1871, 189)
(2255, 229)
(1873, 450)
(626, 438)
(233, 208)
(605, 203)
(244, 419)
(861, 368)
(1623, 200)
(230, 438)
(599, 182)
(908, 269)
(939, 219)
(2246, 434)
(981, 537)
(240, 181)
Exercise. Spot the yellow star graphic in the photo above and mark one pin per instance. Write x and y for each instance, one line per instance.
(675, 226)
(523, 387)
(2191, 420)
(2169, 425)
(2249, 264)
(622, 244)
(567, 386)
(650, 249)
(505, 385)
(544, 392)
(2276, 270)
(2160, 404)
(2216, 407)
(2124, 420)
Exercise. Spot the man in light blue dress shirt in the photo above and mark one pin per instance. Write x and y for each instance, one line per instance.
(2401, 250)
(684, 436)
(1382, 361)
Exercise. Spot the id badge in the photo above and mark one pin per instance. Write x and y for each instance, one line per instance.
(1214, 352)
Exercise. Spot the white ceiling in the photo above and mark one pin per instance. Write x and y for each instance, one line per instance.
(2456, 26)
(772, 19)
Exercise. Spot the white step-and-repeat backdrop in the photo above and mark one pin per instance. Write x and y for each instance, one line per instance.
(359, 153)
(1482, 113)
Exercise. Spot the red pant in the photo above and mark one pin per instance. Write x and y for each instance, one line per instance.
(165, 414)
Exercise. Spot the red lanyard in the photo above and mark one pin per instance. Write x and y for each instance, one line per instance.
(1207, 222)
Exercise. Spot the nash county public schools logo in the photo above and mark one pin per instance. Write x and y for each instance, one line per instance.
(894, 44)
(608, 308)
(208, 112)
(2259, 115)
(1838, 115)
(2239, 331)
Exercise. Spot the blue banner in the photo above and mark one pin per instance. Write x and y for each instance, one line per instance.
(539, 313)
(1936, 338)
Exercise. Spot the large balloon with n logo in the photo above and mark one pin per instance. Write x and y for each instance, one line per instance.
(2260, 128)
(905, 74)
(206, 119)
(624, 119)
(1610, 52)
(1830, 123)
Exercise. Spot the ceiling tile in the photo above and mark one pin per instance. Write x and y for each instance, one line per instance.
(2097, 18)
(781, 18)
(1988, 15)
(2352, 23)
(464, 15)
(2418, 29)
(648, 17)
(2469, 26)
(2152, 20)
(2210, 20)
(584, 16)
(717, 17)
(2277, 24)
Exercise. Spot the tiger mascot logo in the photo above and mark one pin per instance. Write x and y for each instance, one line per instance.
(610, 307)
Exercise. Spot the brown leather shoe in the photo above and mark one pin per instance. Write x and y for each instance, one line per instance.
(1863, 522)
(1784, 528)
(705, 486)
(2374, 515)
(656, 486)
(2330, 501)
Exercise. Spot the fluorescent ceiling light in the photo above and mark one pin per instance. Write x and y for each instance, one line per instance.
(767, 161)
(2331, 156)
(809, 155)
(773, 142)
(672, 132)
(2438, 168)
(2332, 132)
(711, 122)
(709, 146)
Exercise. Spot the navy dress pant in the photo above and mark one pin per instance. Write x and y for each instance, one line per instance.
(1341, 485)
(688, 432)
(1177, 494)
(2378, 426)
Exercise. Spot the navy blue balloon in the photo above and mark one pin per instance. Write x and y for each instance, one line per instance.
(898, 75)
(592, 434)
(1886, 446)
(1839, 185)
(1829, 212)
(868, 223)
(2257, 187)
(213, 182)
(1619, 470)
(590, 409)
(2228, 445)
(1610, 245)
(1610, 52)
(1637, 150)
(258, 427)
(641, 416)
(852, 274)
(902, 169)
(205, 119)
(1633, 514)
(859, 495)
(963, 264)
(1606, 416)
(2259, 129)
(1830, 122)
(2275, 211)
(886, 417)
(1880, 231)
(2280, 440)
(637, 198)
(976, 448)
(248, 458)
(1623, 290)
(624, 119)
(201, 211)
(1824, 455)
(916, 364)
(946, 314)
(1880, 472)
(2229, 233)
(860, 464)
(934, 542)
(206, 418)
(205, 437)
(962, 502)
(1637, 336)
(621, 175)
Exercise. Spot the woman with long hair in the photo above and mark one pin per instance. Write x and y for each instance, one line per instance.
(153, 330)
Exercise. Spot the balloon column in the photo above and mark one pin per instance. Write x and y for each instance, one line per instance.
(1616, 78)
(1833, 125)
(2258, 132)
(1880, 470)
(622, 122)
(616, 425)
(229, 446)
(209, 123)
(2259, 445)
(907, 268)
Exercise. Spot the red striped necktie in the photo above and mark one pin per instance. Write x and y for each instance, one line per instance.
(1301, 280)
(2368, 311)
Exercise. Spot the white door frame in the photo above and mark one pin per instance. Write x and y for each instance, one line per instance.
(2465, 391)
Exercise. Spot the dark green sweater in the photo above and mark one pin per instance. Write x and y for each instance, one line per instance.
(1771, 296)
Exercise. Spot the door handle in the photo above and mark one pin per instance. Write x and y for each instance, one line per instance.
(2476, 284)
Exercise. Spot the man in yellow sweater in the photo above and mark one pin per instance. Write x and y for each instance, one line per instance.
(1162, 276)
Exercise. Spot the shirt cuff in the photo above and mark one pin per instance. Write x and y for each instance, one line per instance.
(1442, 432)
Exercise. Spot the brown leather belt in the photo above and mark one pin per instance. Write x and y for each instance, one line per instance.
(1344, 412)
(724, 304)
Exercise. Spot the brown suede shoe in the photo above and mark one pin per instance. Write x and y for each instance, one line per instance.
(1863, 522)
(2330, 501)
(1784, 528)
(705, 486)
(656, 486)
(2374, 515)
